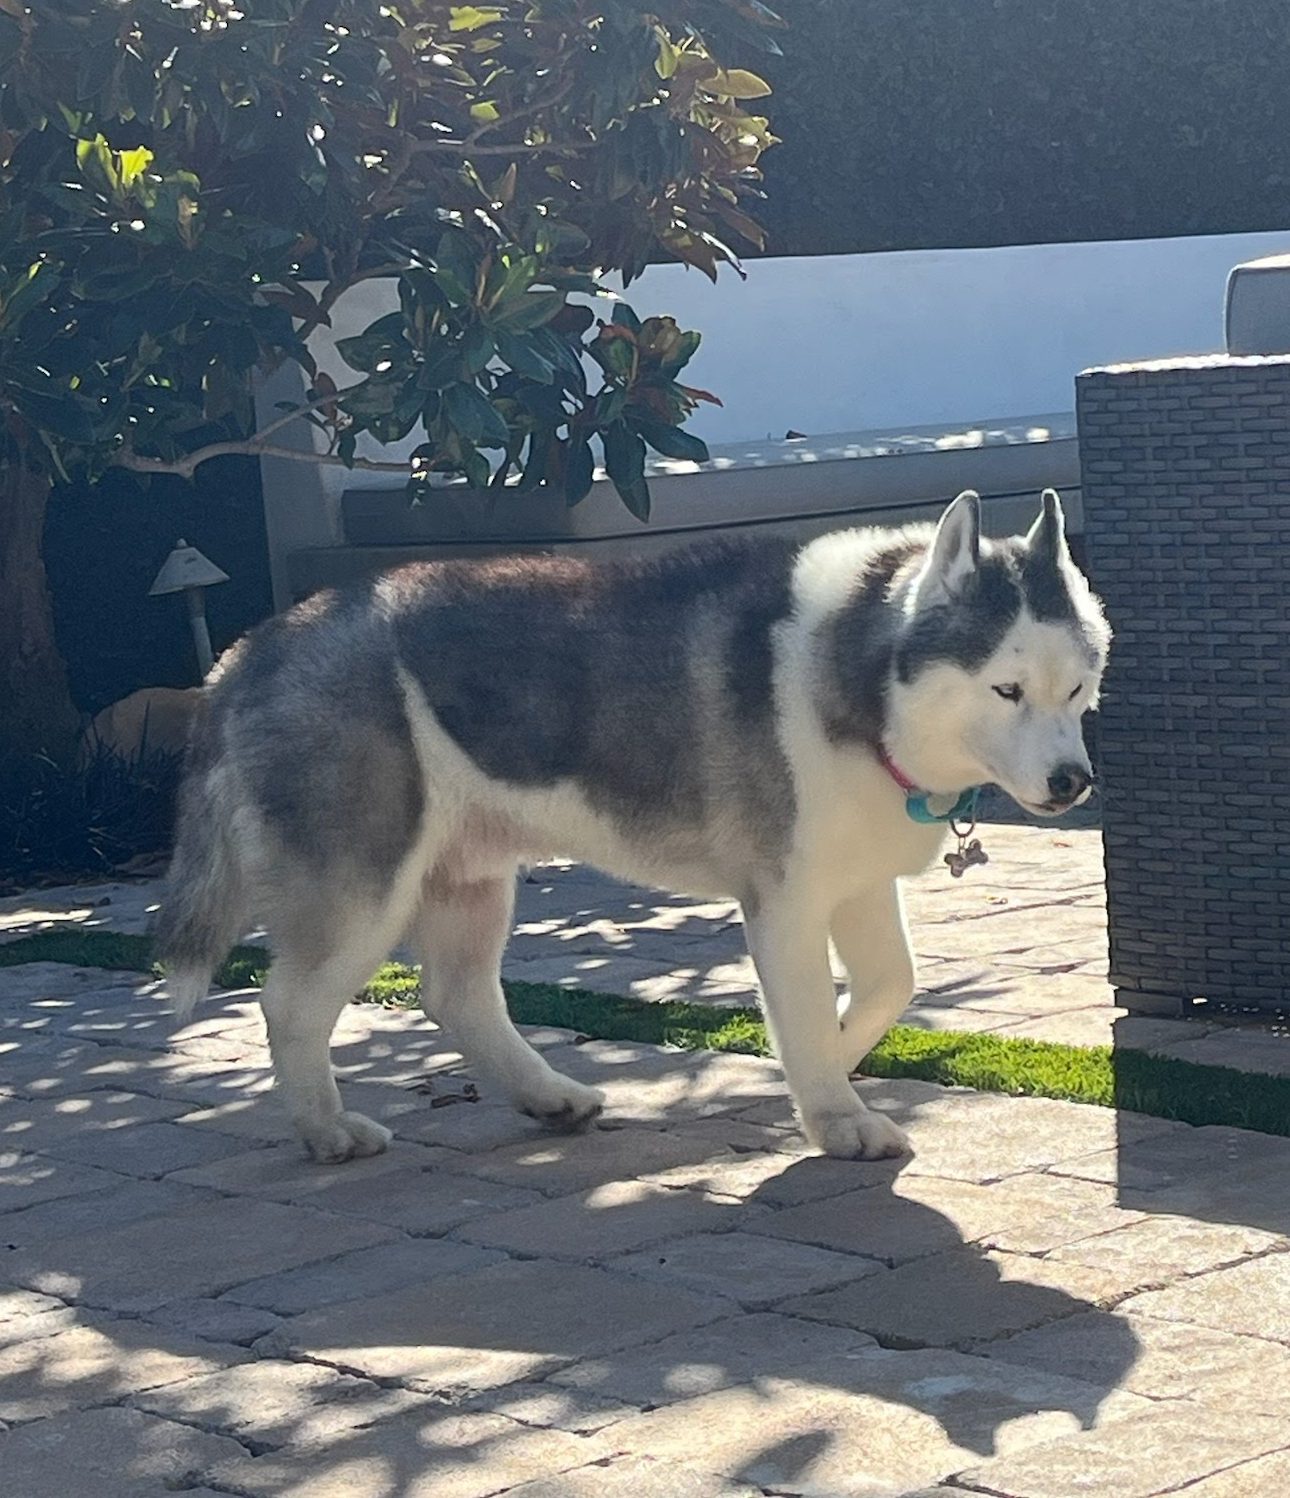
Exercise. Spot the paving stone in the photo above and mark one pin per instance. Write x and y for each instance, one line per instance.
(916, 1216)
(425, 1201)
(649, 1085)
(28, 1179)
(702, 1359)
(25, 1315)
(269, 1404)
(468, 1126)
(558, 1164)
(1253, 1051)
(1254, 1196)
(427, 1452)
(965, 1296)
(1015, 933)
(724, 1132)
(244, 1102)
(1077, 1027)
(93, 1211)
(284, 1172)
(95, 1362)
(634, 1477)
(202, 1250)
(1252, 1299)
(1257, 1479)
(884, 1422)
(769, 1178)
(1061, 1210)
(122, 906)
(1178, 1155)
(941, 1490)
(973, 986)
(476, 1331)
(1168, 1248)
(360, 1275)
(543, 1404)
(37, 1124)
(111, 1453)
(924, 1013)
(753, 1271)
(217, 1320)
(1169, 1360)
(606, 1220)
(1158, 1451)
(975, 1137)
(30, 1328)
(148, 1150)
(16, 1305)
(59, 980)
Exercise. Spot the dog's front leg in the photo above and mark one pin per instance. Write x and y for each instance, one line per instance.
(789, 944)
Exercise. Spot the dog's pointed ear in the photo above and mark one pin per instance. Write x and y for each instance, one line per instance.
(954, 555)
(1046, 539)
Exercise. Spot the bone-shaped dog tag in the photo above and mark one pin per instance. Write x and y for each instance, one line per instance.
(966, 855)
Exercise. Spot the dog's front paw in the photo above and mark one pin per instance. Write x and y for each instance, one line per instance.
(563, 1104)
(856, 1135)
(345, 1137)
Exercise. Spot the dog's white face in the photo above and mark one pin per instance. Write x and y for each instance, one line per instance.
(1005, 652)
(1023, 729)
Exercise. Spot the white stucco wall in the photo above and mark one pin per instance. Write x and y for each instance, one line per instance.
(868, 341)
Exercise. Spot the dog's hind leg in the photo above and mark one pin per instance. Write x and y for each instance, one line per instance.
(460, 933)
(320, 963)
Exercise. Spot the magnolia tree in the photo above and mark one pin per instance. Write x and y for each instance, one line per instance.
(188, 186)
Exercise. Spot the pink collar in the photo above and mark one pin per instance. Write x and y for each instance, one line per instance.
(894, 770)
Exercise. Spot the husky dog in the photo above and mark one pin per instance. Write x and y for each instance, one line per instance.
(739, 720)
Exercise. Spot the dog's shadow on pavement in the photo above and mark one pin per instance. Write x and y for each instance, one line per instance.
(685, 1286)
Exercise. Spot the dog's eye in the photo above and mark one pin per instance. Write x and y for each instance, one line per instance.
(1010, 693)
(1076, 692)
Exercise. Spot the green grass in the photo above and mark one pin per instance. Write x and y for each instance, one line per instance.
(1157, 1085)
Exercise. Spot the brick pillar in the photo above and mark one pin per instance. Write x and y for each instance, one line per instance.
(1186, 489)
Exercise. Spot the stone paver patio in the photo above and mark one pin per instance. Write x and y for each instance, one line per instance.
(1048, 1300)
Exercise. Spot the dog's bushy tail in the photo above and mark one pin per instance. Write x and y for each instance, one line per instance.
(201, 913)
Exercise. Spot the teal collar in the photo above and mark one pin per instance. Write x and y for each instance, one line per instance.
(963, 810)
(917, 803)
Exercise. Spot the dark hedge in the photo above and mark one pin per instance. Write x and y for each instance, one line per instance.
(922, 123)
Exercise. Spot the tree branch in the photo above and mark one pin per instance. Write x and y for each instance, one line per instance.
(465, 149)
(316, 404)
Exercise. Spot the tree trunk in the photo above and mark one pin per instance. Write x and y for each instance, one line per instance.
(36, 709)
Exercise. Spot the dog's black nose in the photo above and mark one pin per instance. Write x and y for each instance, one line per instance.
(1068, 782)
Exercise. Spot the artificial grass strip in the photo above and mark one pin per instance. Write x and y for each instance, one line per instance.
(1159, 1086)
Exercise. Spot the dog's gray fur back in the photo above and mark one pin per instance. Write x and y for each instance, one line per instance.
(647, 686)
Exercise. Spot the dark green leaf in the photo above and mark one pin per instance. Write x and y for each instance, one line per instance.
(476, 350)
(521, 352)
(672, 442)
(65, 415)
(529, 310)
(473, 416)
(682, 353)
(625, 465)
(579, 470)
